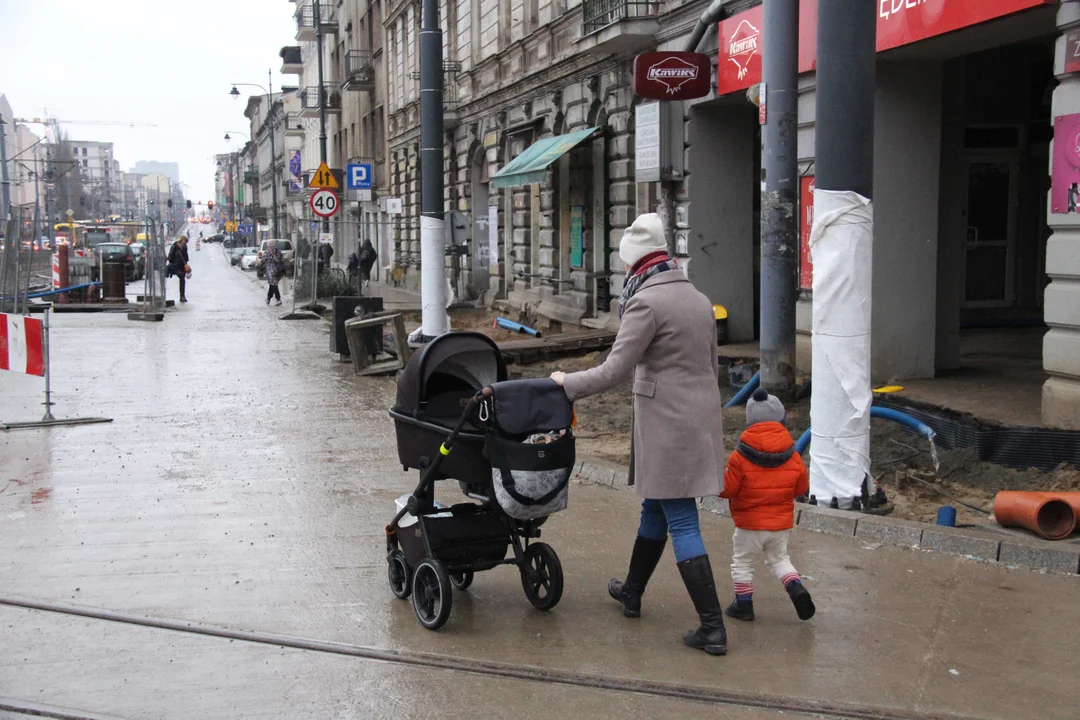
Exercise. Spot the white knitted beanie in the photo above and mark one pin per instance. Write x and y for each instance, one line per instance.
(645, 236)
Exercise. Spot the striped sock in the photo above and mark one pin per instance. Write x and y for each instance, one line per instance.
(790, 578)
(744, 592)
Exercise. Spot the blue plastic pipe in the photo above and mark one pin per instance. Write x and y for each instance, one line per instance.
(62, 290)
(747, 390)
(883, 413)
(516, 327)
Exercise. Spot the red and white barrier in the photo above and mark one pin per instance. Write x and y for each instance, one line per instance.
(56, 271)
(21, 346)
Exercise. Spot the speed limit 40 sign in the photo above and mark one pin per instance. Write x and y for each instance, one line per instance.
(324, 203)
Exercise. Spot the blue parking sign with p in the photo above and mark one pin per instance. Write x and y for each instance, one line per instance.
(358, 176)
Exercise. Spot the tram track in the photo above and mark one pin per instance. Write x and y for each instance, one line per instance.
(666, 690)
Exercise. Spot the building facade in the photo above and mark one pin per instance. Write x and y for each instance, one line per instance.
(969, 98)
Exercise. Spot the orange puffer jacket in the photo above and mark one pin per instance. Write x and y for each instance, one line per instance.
(763, 477)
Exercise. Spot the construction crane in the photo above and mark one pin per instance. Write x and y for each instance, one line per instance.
(54, 123)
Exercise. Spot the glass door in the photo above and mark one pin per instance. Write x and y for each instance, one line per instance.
(990, 242)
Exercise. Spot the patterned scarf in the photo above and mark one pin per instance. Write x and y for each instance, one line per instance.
(649, 267)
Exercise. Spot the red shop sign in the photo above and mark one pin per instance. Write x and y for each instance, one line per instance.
(806, 223)
(899, 22)
(672, 75)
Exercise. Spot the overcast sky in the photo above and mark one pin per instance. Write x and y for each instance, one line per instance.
(169, 64)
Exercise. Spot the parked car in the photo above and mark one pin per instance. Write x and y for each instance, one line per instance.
(139, 251)
(111, 253)
(249, 259)
(236, 253)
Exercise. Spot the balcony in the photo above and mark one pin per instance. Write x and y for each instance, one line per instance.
(251, 177)
(618, 26)
(305, 20)
(310, 97)
(294, 125)
(359, 71)
(291, 61)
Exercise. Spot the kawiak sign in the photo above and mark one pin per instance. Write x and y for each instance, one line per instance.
(672, 75)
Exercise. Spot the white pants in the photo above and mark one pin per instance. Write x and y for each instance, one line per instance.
(748, 546)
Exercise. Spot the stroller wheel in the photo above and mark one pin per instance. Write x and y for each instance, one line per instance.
(399, 576)
(541, 576)
(432, 597)
(462, 580)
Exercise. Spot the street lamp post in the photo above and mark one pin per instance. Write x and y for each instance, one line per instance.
(273, 150)
(236, 174)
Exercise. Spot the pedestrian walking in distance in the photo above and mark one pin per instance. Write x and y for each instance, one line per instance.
(667, 340)
(275, 270)
(178, 264)
(763, 477)
(368, 256)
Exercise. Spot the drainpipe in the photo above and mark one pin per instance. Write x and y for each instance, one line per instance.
(713, 14)
(779, 193)
(432, 223)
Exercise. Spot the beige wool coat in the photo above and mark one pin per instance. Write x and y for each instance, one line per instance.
(668, 340)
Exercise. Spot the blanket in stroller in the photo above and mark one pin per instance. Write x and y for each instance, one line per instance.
(530, 445)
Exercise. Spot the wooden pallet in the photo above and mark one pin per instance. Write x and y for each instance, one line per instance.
(540, 349)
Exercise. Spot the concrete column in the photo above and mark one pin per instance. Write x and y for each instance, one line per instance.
(1061, 345)
(907, 169)
(721, 192)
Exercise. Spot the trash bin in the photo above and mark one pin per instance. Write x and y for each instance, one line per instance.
(344, 308)
(113, 287)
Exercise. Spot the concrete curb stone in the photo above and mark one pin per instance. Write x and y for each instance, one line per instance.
(968, 543)
(827, 520)
(1059, 556)
(1025, 553)
(891, 531)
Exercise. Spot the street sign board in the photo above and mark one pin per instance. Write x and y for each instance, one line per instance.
(326, 238)
(672, 75)
(324, 203)
(358, 176)
(324, 179)
(648, 142)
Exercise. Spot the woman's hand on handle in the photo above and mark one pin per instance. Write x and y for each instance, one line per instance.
(558, 376)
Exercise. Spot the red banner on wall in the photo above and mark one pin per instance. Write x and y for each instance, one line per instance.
(899, 22)
(806, 222)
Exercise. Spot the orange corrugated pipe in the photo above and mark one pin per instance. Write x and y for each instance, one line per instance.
(1051, 517)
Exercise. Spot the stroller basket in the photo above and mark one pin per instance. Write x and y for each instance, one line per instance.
(461, 536)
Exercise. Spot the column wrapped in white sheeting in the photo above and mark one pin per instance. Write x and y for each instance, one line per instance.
(841, 248)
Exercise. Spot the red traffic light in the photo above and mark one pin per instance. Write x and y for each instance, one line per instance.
(210, 205)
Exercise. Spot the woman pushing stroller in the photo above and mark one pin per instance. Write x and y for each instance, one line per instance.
(667, 338)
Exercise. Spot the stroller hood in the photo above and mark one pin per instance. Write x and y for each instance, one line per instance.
(460, 363)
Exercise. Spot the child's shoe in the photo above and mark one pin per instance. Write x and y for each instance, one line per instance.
(740, 609)
(800, 598)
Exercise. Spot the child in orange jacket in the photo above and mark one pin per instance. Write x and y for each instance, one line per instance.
(763, 477)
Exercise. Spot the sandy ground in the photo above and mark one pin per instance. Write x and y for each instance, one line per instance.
(604, 432)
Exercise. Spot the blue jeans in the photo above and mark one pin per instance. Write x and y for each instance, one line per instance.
(680, 518)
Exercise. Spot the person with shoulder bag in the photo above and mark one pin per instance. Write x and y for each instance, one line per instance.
(178, 264)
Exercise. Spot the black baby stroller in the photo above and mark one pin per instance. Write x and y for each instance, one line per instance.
(456, 416)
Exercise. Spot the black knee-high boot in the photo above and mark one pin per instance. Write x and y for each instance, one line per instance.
(643, 561)
(711, 637)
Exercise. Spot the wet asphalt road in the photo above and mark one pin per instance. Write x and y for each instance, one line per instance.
(245, 483)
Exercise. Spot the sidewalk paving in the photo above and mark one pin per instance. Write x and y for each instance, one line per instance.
(246, 482)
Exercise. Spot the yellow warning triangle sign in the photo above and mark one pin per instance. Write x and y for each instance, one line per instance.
(324, 179)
